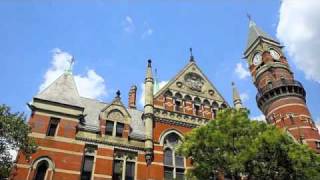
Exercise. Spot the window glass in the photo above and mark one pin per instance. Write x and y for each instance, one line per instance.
(87, 168)
(177, 106)
(119, 129)
(130, 170)
(52, 126)
(41, 170)
(168, 157)
(117, 170)
(197, 108)
(168, 173)
(109, 127)
(180, 174)
(179, 161)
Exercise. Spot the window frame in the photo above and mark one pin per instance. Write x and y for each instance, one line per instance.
(124, 160)
(173, 166)
(112, 129)
(53, 121)
(117, 124)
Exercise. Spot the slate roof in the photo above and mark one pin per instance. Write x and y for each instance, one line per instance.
(255, 32)
(63, 90)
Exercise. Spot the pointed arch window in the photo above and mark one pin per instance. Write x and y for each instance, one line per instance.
(174, 164)
(41, 170)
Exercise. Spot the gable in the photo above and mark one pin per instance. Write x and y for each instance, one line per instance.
(192, 81)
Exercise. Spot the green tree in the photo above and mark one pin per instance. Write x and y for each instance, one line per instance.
(234, 146)
(13, 135)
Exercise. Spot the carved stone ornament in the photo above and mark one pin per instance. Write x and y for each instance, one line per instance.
(194, 81)
(179, 84)
(115, 115)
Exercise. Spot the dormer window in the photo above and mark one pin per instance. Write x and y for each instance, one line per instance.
(109, 127)
(119, 129)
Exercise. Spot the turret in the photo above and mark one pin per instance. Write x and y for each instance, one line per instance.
(280, 97)
(236, 97)
(148, 114)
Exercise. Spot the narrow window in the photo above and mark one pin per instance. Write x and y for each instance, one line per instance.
(117, 169)
(168, 157)
(119, 129)
(53, 125)
(177, 105)
(87, 168)
(270, 84)
(196, 110)
(214, 113)
(318, 144)
(41, 170)
(109, 127)
(291, 119)
(130, 170)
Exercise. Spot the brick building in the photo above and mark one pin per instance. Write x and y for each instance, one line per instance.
(81, 138)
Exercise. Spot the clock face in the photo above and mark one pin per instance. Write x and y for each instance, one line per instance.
(274, 54)
(257, 59)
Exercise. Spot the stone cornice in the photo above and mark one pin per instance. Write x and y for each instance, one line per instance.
(117, 142)
(179, 119)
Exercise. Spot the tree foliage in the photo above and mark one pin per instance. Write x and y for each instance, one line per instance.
(13, 136)
(234, 146)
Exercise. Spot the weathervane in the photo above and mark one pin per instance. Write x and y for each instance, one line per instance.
(191, 55)
(70, 65)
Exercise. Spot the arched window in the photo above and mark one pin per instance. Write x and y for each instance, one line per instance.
(174, 165)
(178, 102)
(187, 98)
(41, 170)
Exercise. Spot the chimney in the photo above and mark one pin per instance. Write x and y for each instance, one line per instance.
(132, 97)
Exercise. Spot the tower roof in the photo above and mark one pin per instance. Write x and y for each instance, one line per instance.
(236, 97)
(255, 32)
(63, 90)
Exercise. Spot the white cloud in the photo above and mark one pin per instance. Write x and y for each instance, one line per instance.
(244, 97)
(260, 117)
(299, 30)
(147, 32)
(90, 85)
(128, 24)
(241, 71)
(141, 99)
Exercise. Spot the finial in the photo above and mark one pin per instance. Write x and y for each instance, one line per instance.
(251, 22)
(191, 55)
(149, 62)
(233, 84)
(70, 65)
(118, 93)
(249, 16)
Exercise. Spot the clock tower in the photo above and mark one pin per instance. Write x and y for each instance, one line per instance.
(280, 97)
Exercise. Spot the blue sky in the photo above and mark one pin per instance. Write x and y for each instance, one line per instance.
(114, 40)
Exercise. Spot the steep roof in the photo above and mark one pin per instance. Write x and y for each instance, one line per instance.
(193, 81)
(255, 32)
(63, 90)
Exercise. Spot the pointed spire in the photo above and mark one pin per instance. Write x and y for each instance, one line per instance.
(191, 55)
(236, 97)
(63, 90)
(255, 32)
